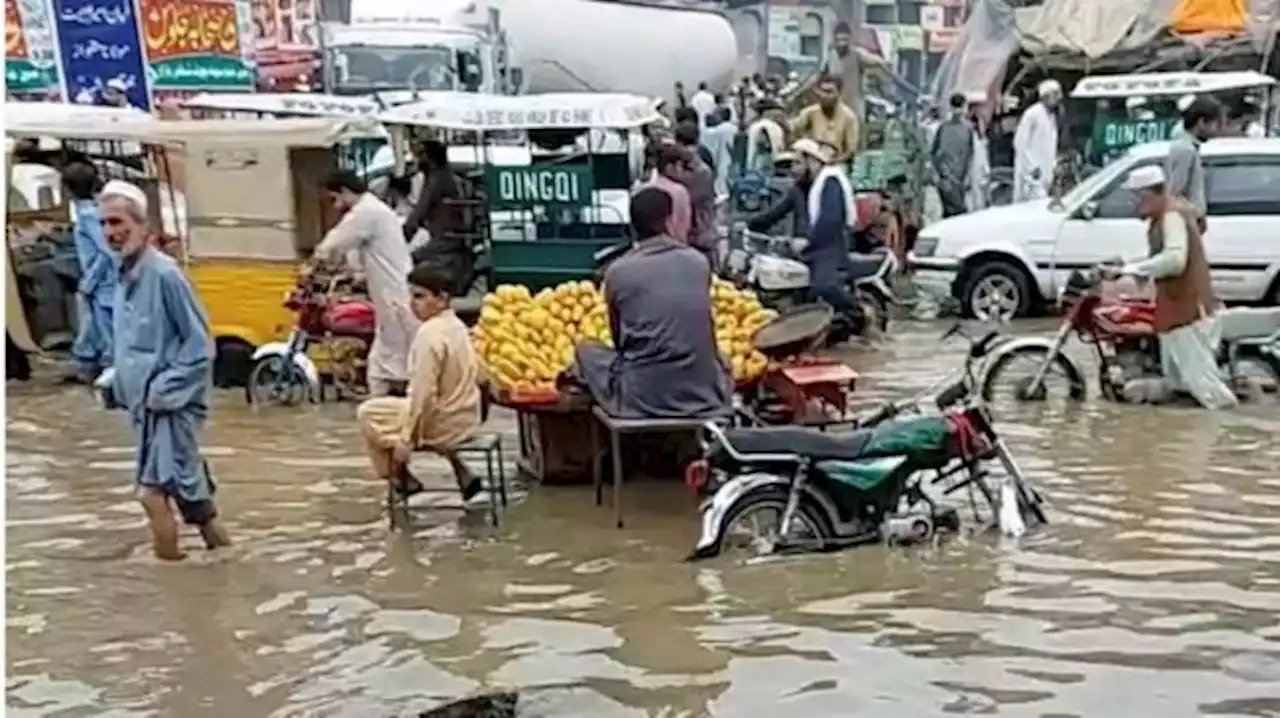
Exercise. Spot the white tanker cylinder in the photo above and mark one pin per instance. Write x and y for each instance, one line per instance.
(612, 46)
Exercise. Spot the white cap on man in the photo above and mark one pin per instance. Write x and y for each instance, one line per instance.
(1184, 102)
(1048, 87)
(812, 148)
(1145, 178)
(117, 84)
(127, 191)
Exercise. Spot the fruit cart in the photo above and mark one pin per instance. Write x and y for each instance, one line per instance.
(554, 175)
(526, 341)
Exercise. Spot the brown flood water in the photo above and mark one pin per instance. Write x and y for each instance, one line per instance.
(1155, 591)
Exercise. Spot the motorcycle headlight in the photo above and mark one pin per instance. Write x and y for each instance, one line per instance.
(925, 246)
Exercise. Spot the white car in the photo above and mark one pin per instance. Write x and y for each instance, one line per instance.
(1007, 261)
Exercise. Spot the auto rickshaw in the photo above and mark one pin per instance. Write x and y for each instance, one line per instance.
(552, 178)
(242, 199)
(41, 269)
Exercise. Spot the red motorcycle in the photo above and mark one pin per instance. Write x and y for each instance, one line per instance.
(1122, 333)
(334, 321)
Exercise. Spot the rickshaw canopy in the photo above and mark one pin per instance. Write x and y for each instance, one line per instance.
(1168, 83)
(297, 104)
(482, 113)
(63, 121)
(285, 132)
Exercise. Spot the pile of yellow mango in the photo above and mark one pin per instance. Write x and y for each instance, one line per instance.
(526, 340)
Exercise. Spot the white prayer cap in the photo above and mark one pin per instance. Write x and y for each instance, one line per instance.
(812, 148)
(125, 190)
(1185, 101)
(1135, 101)
(1144, 178)
(1047, 87)
(117, 83)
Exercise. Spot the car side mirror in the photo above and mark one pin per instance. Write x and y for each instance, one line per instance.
(1088, 210)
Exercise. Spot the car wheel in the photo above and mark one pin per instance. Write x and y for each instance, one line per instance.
(995, 290)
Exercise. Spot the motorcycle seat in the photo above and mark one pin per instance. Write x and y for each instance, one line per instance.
(862, 266)
(810, 443)
(1242, 323)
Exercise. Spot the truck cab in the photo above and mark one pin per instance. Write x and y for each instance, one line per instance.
(375, 54)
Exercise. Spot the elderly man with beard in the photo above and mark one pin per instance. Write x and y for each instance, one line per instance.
(1185, 304)
(161, 374)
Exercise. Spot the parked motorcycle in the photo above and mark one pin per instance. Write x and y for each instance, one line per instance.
(783, 488)
(341, 325)
(1124, 340)
(774, 269)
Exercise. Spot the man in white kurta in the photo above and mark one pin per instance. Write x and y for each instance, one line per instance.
(1035, 145)
(372, 231)
(1188, 329)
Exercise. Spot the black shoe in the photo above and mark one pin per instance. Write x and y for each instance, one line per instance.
(474, 487)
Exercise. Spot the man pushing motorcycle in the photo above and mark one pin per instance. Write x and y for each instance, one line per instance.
(1185, 305)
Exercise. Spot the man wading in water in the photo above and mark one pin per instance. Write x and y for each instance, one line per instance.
(162, 373)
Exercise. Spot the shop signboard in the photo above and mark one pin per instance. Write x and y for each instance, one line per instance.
(98, 42)
(525, 186)
(31, 68)
(1121, 134)
(202, 45)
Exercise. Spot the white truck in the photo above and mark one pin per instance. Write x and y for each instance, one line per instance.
(512, 46)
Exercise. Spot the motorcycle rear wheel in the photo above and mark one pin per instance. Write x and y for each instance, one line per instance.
(1037, 355)
(811, 530)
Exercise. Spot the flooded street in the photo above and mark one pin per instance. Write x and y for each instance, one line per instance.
(1154, 591)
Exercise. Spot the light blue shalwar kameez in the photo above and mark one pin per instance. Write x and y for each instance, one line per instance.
(163, 374)
(99, 269)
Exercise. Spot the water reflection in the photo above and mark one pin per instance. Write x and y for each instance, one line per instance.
(1155, 591)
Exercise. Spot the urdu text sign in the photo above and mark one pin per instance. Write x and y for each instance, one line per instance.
(526, 187)
(194, 45)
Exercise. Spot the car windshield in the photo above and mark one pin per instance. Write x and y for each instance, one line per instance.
(1095, 182)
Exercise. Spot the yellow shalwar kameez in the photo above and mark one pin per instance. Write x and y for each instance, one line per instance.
(442, 406)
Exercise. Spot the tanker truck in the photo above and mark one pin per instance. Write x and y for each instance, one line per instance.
(511, 46)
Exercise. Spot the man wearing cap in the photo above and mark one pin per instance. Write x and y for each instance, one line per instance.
(115, 93)
(1185, 305)
(161, 375)
(1035, 145)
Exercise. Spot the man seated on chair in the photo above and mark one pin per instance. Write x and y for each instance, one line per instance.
(442, 408)
(665, 364)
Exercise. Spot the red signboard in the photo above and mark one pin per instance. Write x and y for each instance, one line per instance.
(15, 43)
(182, 28)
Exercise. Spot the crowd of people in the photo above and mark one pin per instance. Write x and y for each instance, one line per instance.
(144, 338)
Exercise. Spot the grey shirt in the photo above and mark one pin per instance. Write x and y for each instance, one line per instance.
(952, 151)
(700, 181)
(1184, 172)
(666, 362)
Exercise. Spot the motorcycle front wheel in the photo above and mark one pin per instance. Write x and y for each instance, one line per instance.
(1002, 381)
(752, 526)
(276, 381)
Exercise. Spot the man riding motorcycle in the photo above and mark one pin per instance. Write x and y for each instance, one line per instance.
(821, 207)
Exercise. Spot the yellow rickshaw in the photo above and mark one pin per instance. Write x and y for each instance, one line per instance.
(244, 201)
(253, 210)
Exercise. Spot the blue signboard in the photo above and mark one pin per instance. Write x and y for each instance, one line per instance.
(100, 42)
